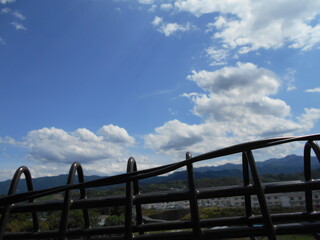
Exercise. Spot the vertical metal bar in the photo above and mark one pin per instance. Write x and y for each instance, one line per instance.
(246, 183)
(83, 195)
(136, 191)
(307, 176)
(261, 197)
(75, 167)
(316, 236)
(194, 208)
(129, 202)
(66, 206)
(12, 190)
(4, 220)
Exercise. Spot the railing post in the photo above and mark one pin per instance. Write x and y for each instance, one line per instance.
(75, 167)
(12, 190)
(129, 202)
(305, 222)
(246, 183)
(307, 175)
(261, 197)
(136, 191)
(194, 207)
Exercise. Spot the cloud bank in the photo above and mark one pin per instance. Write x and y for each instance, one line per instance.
(58, 146)
(237, 104)
(250, 25)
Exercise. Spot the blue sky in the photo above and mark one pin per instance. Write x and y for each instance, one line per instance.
(98, 81)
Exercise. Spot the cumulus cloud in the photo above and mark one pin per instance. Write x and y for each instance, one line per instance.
(53, 145)
(102, 168)
(313, 90)
(174, 135)
(236, 105)
(309, 118)
(250, 25)
(115, 134)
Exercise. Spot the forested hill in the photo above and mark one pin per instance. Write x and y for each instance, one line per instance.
(288, 165)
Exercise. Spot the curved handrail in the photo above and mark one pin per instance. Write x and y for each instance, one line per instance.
(271, 224)
(12, 190)
(137, 175)
(75, 168)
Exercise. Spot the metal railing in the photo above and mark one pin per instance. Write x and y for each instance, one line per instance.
(249, 225)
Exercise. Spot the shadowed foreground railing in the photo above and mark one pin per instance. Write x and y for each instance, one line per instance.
(249, 225)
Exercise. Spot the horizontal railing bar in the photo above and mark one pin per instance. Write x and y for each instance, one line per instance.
(169, 196)
(267, 224)
(142, 174)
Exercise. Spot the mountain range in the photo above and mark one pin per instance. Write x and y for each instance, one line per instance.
(288, 165)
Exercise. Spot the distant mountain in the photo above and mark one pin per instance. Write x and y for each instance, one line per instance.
(287, 165)
(42, 183)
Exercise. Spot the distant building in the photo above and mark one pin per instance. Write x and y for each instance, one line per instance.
(294, 199)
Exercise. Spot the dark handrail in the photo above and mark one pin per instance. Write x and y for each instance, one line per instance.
(267, 224)
(122, 178)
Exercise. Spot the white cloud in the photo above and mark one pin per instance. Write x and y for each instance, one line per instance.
(166, 6)
(18, 15)
(290, 79)
(105, 167)
(174, 136)
(169, 29)
(250, 25)
(246, 77)
(218, 56)
(309, 118)
(145, 1)
(18, 26)
(53, 145)
(236, 105)
(8, 140)
(1, 41)
(115, 134)
(156, 21)
(313, 90)
(6, 174)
